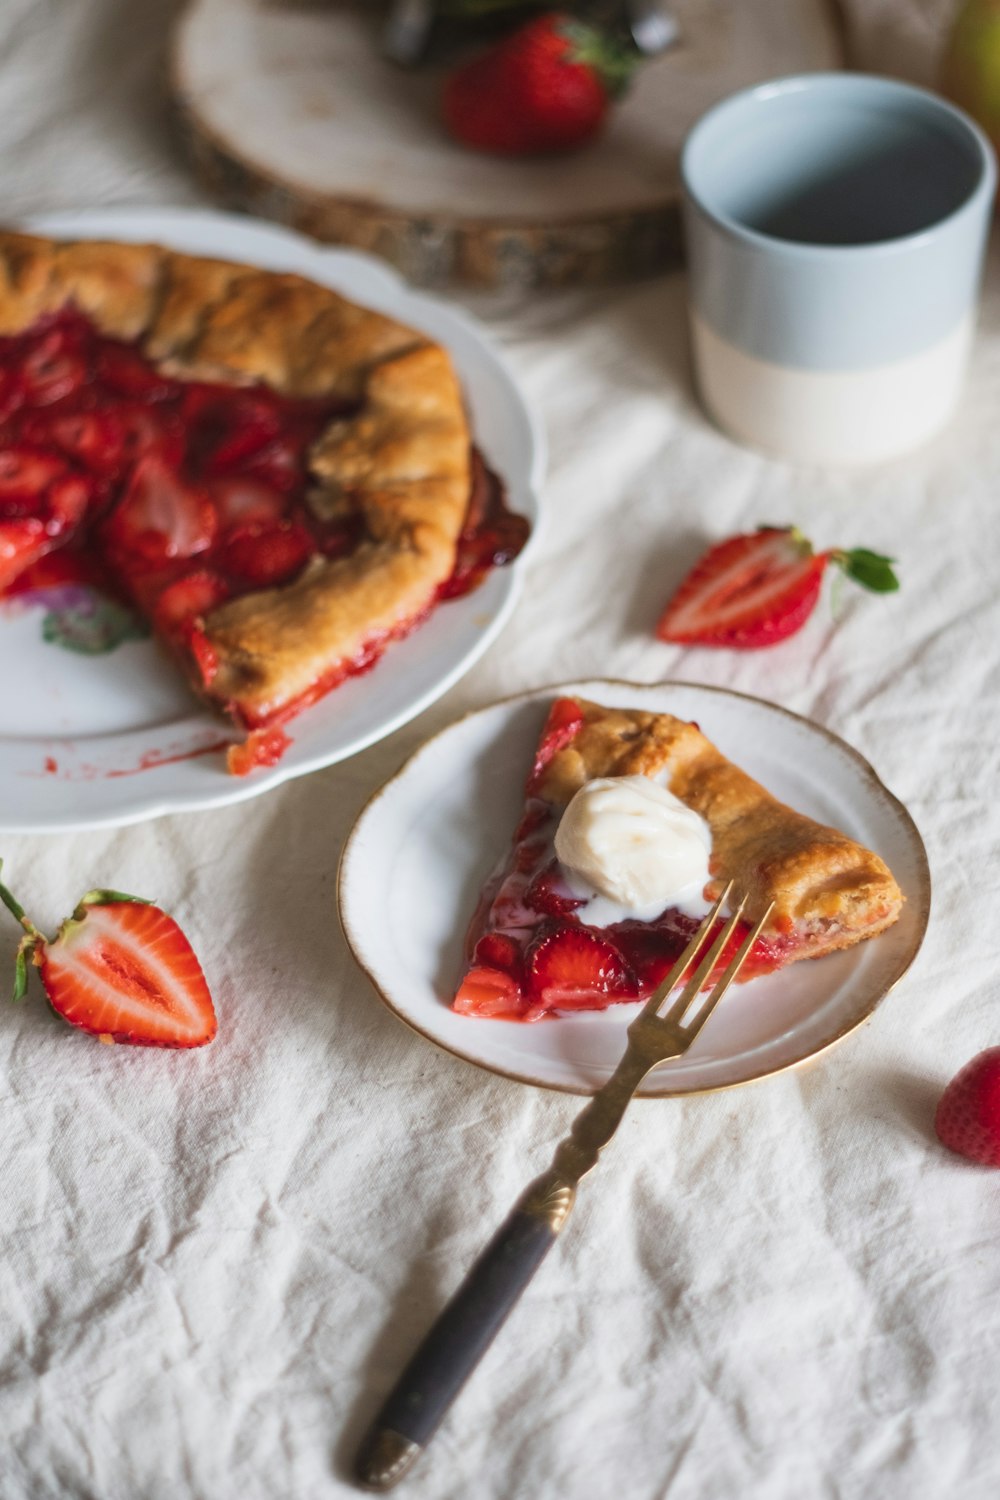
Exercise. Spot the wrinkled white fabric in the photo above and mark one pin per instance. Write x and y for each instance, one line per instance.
(214, 1264)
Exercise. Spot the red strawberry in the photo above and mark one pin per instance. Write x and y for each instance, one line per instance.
(22, 542)
(55, 365)
(25, 474)
(489, 992)
(547, 893)
(125, 372)
(245, 502)
(41, 501)
(263, 747)
(93, 438)
(574, 967)
(561, 727)
(232, 427)
(546, 87)
(968, 1114)
(121, 969)
(188, 598)
(160, 517)
(758, 589)
(496, 951)
(205, 654)
(268, 554)
(156, 432)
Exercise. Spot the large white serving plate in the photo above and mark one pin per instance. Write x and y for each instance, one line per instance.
(413, 866)
(103, 740)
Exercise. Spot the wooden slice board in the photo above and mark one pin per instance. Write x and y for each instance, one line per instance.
(291, 113)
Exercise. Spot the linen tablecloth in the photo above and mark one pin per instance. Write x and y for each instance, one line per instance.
(214, 1264)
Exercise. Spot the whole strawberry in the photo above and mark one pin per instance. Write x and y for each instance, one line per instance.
(968, 1114)
(759, 588)
(546, 87)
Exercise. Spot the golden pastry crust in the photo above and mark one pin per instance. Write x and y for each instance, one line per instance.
(825, 888)
(402, 461)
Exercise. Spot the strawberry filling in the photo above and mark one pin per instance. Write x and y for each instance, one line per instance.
(181, 495)
(529, 952)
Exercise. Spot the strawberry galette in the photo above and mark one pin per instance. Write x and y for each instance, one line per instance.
(281, 481)
(634, 822)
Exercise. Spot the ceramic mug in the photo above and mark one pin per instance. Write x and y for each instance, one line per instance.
(835, 225)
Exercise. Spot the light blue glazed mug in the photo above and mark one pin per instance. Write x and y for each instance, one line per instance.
(836, 225)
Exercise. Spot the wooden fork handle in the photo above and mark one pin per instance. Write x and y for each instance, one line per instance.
(463, 1332)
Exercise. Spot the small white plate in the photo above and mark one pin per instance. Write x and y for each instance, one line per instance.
(413, 866)
(103, 740)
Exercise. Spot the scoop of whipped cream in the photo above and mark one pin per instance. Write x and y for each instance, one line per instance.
(630, 840)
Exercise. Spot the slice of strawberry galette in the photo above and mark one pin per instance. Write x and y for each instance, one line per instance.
(281, 481)
(634, 822)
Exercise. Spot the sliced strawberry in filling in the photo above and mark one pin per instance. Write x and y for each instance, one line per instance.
(564, 720)
(189, 598)
(575, 968)
(244, 501)
(160, 517)
(55, 365)
(267, 553)
(549, 894)
(489, 992)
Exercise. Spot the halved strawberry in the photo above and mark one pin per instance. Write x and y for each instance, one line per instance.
(121, 969)
(488, 992)
(564, 721)
(267, 554)
(757, 589)
(160, 516)
(189, 598)
(574, 967)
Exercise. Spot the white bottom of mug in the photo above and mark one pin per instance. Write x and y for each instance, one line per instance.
(823, 417)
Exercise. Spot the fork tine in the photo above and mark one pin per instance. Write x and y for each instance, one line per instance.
(690, 953)
(732, 970)
(701, 975)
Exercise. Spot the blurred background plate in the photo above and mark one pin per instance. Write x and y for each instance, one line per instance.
(291, 112)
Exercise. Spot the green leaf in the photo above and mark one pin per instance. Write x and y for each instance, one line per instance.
(613, 60)
(14, 907)
(21, 971)
(108, 898)
(870, 569)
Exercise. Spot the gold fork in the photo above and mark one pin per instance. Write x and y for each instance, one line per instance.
(468, 1324)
